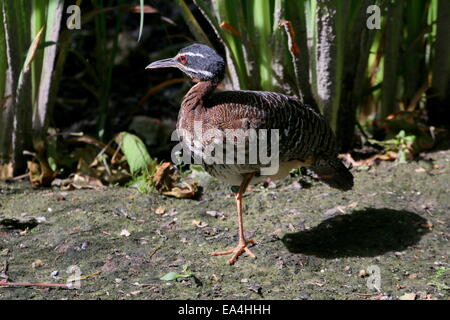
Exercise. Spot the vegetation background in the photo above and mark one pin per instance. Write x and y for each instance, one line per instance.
(90, 128)
(379, 70)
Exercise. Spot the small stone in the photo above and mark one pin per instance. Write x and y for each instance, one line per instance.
(41, 219)
(408, 296)
(124, 233)
(54, 275)
(37, 263)
(363, 273)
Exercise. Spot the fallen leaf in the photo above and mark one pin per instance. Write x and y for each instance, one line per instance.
(427, 225)
(159, 210)
(124, 233)
(183, 193)
(79, 181)
(172, 212)
(215, 214)
(37, 263)
(40, 174)
(363, 273)
(408, 296)
(6, 170)
(174, 275)
(352, 205)
(165, 179)
(199, 224)
(136, 292)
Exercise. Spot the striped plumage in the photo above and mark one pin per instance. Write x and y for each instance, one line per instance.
(305, 138)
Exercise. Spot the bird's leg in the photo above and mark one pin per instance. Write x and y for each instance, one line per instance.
(242, 246)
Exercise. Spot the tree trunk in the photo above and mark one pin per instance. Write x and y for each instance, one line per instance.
(329, 57)
(439, 94)
(358, 42)
(18, 106)
(393, 39)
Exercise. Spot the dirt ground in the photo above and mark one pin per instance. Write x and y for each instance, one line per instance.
(312, 242)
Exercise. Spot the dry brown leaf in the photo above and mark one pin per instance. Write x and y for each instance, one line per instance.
(37, 263)
(183, 193)
(408, 296)
(6, 171)
(160, 210)
(388, 156)
(352, 205)
(363, 273)
(40, 175)
(199, 224)
(165, 179)
(86, 182)
(427, 225)
(228, 28)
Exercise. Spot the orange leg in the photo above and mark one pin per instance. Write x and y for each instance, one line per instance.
(242, 246)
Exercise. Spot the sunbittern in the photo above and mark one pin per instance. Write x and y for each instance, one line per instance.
(304, 136)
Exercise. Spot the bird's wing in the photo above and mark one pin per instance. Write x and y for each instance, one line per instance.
(302, 131)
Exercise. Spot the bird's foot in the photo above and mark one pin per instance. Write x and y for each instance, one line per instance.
(240, 249)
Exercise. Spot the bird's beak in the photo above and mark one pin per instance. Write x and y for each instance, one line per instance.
(165, 63)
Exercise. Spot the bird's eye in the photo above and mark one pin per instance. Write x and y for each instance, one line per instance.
(182, 59)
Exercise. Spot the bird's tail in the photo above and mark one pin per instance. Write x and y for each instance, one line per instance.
(334, 173)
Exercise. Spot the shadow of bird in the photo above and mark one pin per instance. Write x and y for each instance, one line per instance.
(367, 233)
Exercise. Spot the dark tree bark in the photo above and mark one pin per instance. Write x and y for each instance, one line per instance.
(439, 93)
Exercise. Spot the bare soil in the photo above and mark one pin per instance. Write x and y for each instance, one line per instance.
(312, 242)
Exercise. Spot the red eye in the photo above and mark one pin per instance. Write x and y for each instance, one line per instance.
(183, 59)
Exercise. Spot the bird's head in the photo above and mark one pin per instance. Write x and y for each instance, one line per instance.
(198, 61)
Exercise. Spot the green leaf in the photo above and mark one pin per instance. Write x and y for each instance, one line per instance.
(402, 156)
(142, 183)
(136, 153)
(174, 276)
(197, 168)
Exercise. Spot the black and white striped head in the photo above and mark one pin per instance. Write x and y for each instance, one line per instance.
(198, 61)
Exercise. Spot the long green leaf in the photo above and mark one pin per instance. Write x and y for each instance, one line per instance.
(262, 20)
(45, 100)
(38, 12)
(192, 23)
(135, 151)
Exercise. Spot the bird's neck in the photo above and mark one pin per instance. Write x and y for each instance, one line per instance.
(195, 97)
